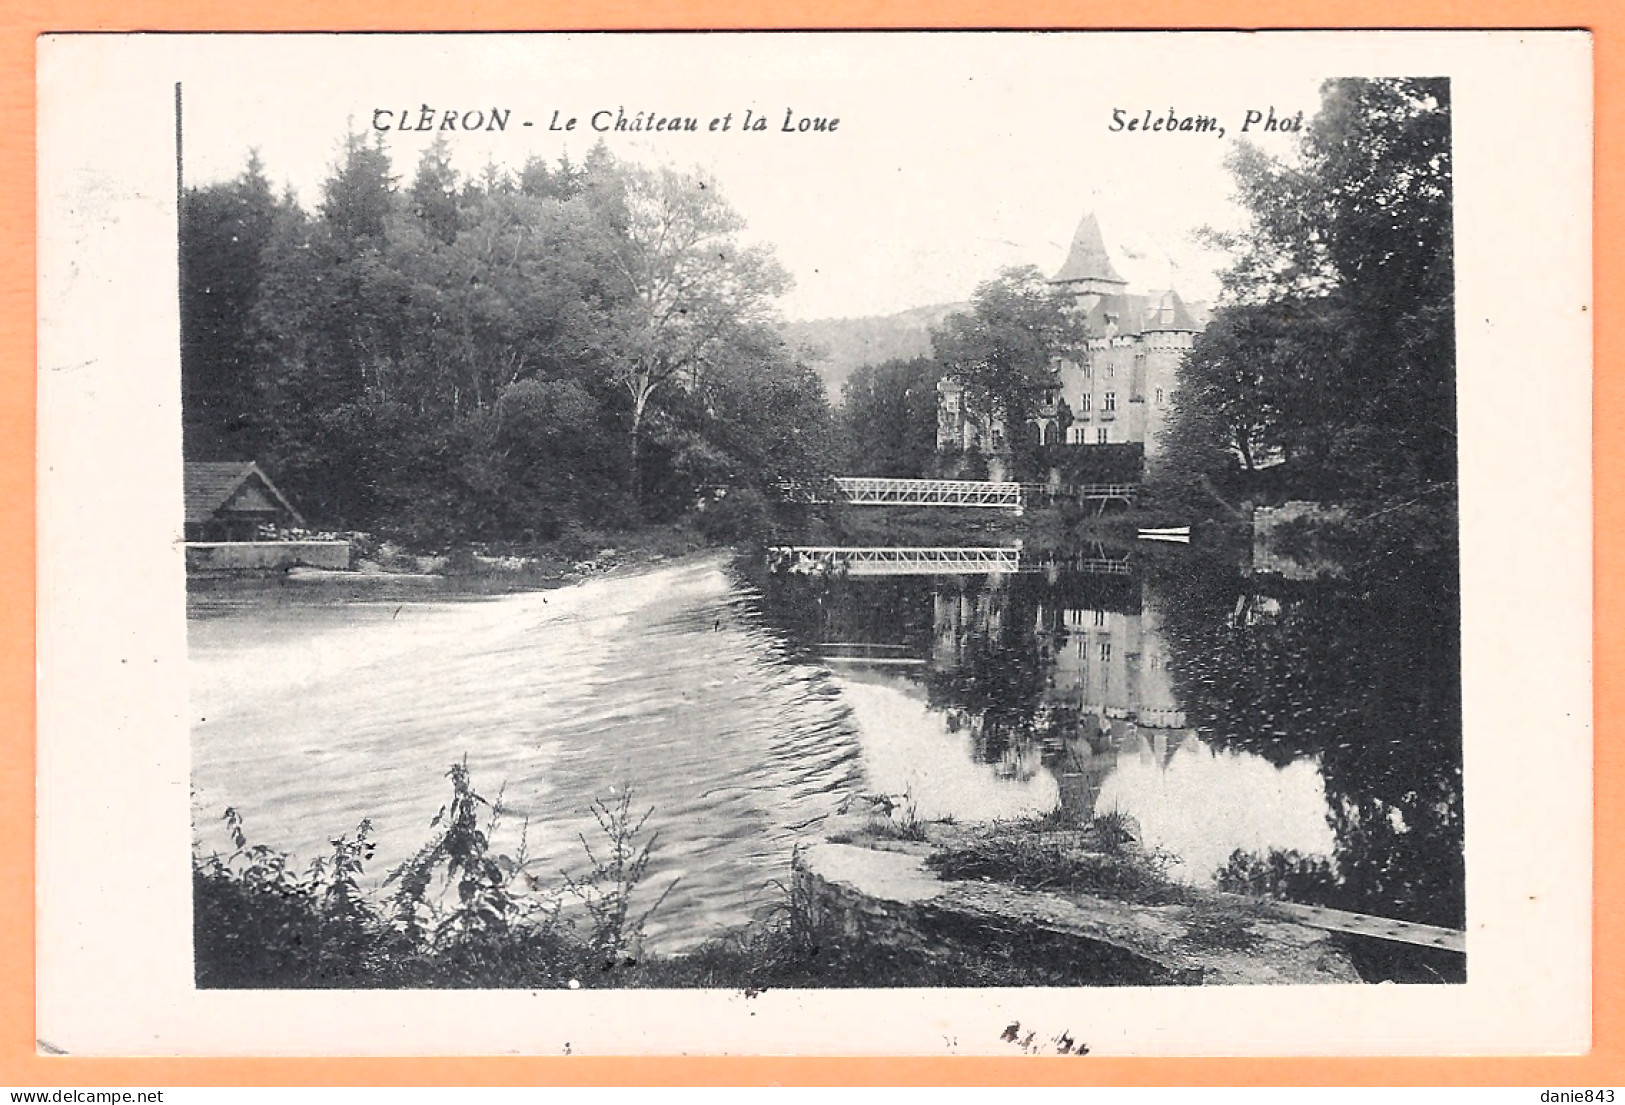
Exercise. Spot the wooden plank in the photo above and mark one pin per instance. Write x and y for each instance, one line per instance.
(1380, 928)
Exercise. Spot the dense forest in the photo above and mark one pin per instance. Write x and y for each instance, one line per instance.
(498, 358)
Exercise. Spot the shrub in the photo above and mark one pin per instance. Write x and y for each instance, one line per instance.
(741, 514)
(259, 922)
(607, 890)
(1102, 858)
(457, 913)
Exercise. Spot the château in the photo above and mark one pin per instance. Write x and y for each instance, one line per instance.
(1115, 391)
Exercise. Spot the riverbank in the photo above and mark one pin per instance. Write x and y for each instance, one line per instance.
(870, 901)
(461, 914)
(383, 570)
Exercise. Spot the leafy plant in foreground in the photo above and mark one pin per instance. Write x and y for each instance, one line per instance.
(606, 891)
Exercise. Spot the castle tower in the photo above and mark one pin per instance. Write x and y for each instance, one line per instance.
(1117, 390)
(1168, 332)
(1087, 272)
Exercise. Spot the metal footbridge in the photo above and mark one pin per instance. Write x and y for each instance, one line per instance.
(986, 494)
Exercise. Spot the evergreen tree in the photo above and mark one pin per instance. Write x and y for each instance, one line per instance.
(434, 191)
(225, 232)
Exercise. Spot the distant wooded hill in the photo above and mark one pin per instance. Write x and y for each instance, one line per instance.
(847, 344)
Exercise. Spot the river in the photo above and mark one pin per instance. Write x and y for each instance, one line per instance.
(1296, 735)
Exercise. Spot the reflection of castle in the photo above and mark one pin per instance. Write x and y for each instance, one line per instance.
(1116, 391)
(1106, 690)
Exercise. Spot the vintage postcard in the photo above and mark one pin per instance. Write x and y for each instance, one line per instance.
(853, 543)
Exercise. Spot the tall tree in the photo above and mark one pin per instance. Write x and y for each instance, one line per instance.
(888, 418)
(434, 191)
(1348, 263)
(684, 285)
(226, 230)
(1005, 346)
(357, 197)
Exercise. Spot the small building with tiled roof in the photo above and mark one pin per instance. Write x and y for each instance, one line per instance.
(232, 500)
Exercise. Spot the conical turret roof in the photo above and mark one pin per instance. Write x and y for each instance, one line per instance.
(1088, 259)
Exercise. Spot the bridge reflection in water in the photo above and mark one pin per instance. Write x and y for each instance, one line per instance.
(859, 561)
(1047, 668)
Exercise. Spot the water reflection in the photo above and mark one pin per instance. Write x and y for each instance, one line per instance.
(1268, 733)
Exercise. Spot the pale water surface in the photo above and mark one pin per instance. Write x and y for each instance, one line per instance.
(743, 713)
(312, 716)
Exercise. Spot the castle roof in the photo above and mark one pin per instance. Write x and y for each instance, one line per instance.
(1164, 310)
(1087, 259)
(1153, 312)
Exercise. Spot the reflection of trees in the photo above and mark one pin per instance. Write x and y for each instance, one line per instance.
(1000, 679)
(1363, 674)
(811, 610)
(1006, 654)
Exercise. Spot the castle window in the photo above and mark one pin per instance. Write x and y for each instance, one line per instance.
(1111, 371)
(1100, 617)
(1105, 652)
(1103, 436)
(1159, 397)
(1111, 401)
(1078, 435)
(1087, 400)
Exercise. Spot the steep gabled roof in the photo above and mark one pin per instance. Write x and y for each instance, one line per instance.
(1088, 259)
(211, 484)
(1133, 314)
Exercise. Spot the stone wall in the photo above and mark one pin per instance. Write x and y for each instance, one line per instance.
(262, 556)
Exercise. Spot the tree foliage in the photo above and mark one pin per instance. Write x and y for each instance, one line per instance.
(686, 287)
(1003, 349)
(888, 419)
(1335, 349)
(495, 357)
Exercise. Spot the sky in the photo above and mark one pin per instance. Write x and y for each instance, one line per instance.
(955, 155)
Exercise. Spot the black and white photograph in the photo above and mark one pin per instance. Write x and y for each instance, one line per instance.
(772, 514)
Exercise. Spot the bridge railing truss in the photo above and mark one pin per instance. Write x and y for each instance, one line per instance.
(859, 560)
(878, 491)
(871, 561)
(995, 494)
